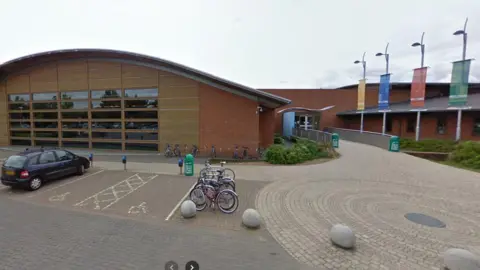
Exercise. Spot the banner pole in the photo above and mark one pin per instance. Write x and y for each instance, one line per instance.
(417, 133)
(361, 122)
(459, 125)
(384, 122)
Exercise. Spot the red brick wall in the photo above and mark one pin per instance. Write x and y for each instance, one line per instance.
(267, 127)
(227, 119)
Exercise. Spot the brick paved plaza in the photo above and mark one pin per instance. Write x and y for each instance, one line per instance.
(370, 190)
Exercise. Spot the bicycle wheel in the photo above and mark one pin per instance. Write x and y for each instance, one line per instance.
(228, 185)
(229, 173)
(197, 196)
(227, 201)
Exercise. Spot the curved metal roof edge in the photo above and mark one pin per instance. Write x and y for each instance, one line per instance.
(279, 99)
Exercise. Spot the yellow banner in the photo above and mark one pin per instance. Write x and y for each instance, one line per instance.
(361, 95)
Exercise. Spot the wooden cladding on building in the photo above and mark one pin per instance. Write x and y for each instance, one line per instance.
(178, 98)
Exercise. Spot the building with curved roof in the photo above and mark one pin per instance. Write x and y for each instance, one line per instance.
(107, 99)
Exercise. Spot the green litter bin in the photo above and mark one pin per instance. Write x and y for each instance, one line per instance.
(394, 144)
(335, 140)
(188, 165)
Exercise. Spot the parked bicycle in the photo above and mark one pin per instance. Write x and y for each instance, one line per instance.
(212, 194)
(168, 151)
(210, 171)
(245, 153)
(260, 153)
(176, 151)
(235, 152)
(220, 178)
(194, 150)
(213, 152)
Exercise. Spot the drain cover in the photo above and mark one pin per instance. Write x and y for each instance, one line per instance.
(425, 220)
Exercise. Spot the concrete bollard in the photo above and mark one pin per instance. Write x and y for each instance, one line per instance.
(251, 218)
(188, 209)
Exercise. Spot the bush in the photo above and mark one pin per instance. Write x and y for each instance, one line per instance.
(278, 140)
(430, 145)
(301, 151)
(467, 154)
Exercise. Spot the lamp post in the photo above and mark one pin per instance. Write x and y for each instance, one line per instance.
(387, 62)
(464, 55)
(422, 51)
(364, 65)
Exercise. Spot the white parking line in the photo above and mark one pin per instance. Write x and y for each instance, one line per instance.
(111, 195)
(64, 184)
(180, 202)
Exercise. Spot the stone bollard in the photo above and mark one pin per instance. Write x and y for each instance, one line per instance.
(342, 236)
(460, 259)
(188, 209)
(251, 218)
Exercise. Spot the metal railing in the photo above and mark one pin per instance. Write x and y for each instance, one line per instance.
(315, 135)
(365, 137)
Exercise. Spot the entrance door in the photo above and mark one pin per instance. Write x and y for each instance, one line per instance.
(306, 122)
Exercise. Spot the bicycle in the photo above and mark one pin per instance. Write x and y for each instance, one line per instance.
(168, 151)
(220, 178)
(213, 152)
(177, 151)
(235, 152)
(205, 194)
(194, 150)
(245, 153)
(210, 170)
(260, 153)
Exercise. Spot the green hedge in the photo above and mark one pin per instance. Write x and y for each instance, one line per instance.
(278, 140)
(444, 146)
(302, 150)
(467, 154)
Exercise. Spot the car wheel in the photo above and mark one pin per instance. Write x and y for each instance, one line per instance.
(81, 170)
(35, 183)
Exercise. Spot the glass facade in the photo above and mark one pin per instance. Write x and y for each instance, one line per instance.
(101, 119)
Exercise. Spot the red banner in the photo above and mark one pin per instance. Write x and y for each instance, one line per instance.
(417, 94)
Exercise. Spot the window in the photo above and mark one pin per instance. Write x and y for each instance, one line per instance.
(44, 96)
(476, 127)
(75, 125)
(46, 124)
(75, 115)
(388, 123)
(141, 115)
(46, 134)
(103, 145)
(106, 125)
(75, 144)
(45, 106)
(141, 136)
(441, 125)
(33, 160)
(47, 157)
(75, 134)
(107, 104)
(63, 155)
(19, 125)
(107, 115)
(45, 115)
(19, 106)
(19, 97)
(24, 116)
(25, 134)
(141, 146)
(16, 161)
(106, 94)
(411, 125)
(107, 135)
(137, 93)
(148, 103)
(46, 143)
(21, 142)
(142, 125)
(75, 95)
(74, 105)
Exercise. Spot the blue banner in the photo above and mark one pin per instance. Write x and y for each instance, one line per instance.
(384, 92)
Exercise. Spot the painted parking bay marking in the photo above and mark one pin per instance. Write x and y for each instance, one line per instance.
(58, 198)
(136, 209)
(111, 195)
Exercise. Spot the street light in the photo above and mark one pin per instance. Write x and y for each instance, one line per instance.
(387, 56)
(464, 55)
(464, 34)
(364, 65)
(422, 48)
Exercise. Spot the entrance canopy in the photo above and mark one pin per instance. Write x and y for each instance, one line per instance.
(305, 110)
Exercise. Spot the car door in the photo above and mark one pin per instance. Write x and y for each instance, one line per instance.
(67, 162)
(48, 166)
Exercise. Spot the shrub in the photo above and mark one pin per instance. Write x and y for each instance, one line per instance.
(278, 140)
(467, 154)
(301, 151)
(429, 145)
(276, 154)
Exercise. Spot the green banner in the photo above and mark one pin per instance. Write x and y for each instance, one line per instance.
(459, 83)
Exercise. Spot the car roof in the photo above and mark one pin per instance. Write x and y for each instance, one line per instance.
(35, 151)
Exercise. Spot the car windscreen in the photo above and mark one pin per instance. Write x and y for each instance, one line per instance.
(15, 161)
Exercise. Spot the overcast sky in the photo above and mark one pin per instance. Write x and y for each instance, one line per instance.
(258, 43)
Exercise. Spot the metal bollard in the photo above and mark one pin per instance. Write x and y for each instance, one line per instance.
(180, 165)
(90, 157)
(124, 161)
